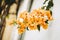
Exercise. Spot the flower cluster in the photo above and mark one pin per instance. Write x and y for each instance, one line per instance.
(31, 20)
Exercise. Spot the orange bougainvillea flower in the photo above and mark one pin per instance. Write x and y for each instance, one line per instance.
(20, 31)
(49, 15)
(31, 20)
(21, 28)
(44, 25)
(23, 14)
(32, 26)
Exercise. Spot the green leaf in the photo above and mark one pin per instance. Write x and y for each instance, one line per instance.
(15, 23)
(50, 12)
(45, 1)
(43, 7)
(50, 4)
(27, 28)
(46, 21)
(38, 27)
(18, 27)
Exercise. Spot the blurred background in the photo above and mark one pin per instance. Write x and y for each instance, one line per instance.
(9, 9)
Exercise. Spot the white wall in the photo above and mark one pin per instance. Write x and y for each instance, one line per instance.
(53, 32)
